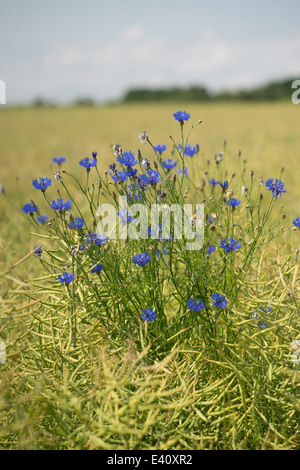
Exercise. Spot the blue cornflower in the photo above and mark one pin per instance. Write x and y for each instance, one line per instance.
(42, 184)
(127, 159)
(95, 239)
(263, 325)
(66, 278)
(233, 202)
(88, 163)
(219, 301)
(94, 155)
(77, 223)
(211, 249)
(125, 217)
(148, 314)
(169, 164)
(276, 187)
(265, 309)
(152, 178)
(195, 305)
(213, 182)
(30, 208)
(120, 176)
(141, 259)
(232, 245)
(59, 205)
(255, 315)
(59, 160)
(296, 222)
(190, 151)
(131, 172)
(97, 268)
(160, 148)
(42, 219)
(38, 251)
(224, 185)
(181, 116)
(182, 172)
(112, 167)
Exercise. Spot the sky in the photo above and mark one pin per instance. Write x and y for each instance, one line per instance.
(64, 50)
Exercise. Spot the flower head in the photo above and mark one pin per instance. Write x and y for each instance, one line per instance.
(42, 219)
(66, 278)
(30, 208)
(88, 163)
(160, 148)
(219, 301)
(38, 251)
(59, 160)
(232, 245)
(277, 187)
(143, 137)
(96, 268)
(169, 164)
(141, 259)
(120, 176)
(95, 239)
(145, 164)
(59, 205)
(190, 151)
(77, 223)
(152, 178)
(233, 202)
(181, 116)
(131, 172)
(296, 222)
(224, 185)
(195, 305)
(127, 159)
(148, 314)
(213, 182)
(117, 149)
(211, 249)
(42, 184)
(57, 176)
(125, 217)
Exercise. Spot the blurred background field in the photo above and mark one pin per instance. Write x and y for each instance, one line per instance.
(266, 134)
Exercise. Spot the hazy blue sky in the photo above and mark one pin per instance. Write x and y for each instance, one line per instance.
(62, 50)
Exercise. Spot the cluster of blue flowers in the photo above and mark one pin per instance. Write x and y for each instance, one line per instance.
(136, 184)
(218, 301)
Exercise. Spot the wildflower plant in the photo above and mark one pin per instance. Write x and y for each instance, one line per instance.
(131, 277)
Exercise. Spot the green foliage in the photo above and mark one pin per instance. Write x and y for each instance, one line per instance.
(273, 91)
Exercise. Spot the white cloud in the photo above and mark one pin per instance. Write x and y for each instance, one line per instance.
(106, 68)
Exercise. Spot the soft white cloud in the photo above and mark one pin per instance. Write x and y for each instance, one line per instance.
(103, 69)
